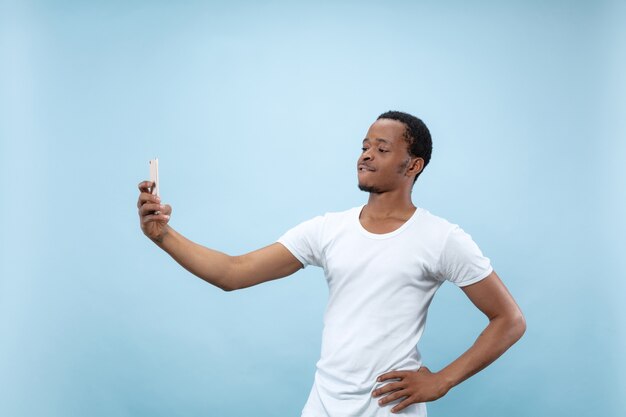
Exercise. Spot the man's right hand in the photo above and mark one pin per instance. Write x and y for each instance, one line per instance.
(153, 225)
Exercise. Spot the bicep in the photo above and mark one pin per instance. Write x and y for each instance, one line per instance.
(268, 263)
(491, 296)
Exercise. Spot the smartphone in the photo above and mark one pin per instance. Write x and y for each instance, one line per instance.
(154, 176)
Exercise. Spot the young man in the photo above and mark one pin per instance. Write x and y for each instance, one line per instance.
(383, 262)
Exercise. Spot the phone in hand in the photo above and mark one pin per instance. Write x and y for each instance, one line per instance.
(154, 176)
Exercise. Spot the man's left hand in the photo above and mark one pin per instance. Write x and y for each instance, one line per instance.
(417, 386)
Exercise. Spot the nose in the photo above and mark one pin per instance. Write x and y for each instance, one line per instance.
(367, 155)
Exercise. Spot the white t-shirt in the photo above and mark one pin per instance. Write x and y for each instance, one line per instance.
(380, 287)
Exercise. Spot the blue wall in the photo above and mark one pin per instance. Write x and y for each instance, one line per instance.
(256, 112)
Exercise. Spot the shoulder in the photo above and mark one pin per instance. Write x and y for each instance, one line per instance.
(343, 219)
(353, 211)
(330, 218)
(436, 226)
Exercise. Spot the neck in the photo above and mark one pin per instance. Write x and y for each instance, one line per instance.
(389, 204)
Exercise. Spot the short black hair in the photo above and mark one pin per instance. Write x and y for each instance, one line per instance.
(416, 134)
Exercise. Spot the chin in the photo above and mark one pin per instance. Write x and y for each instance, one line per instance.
(369, 188)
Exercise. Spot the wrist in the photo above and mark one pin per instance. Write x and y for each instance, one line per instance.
(448, 380)
(159, 240)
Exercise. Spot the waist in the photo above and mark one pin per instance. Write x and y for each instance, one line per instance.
(357, 377)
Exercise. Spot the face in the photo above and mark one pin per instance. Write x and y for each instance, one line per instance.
(385, 163)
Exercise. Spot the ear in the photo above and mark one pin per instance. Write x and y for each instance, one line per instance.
(416, 166)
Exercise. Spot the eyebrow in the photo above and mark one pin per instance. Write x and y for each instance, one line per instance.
(378, 140)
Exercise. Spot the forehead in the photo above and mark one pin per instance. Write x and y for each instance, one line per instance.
(391, 130)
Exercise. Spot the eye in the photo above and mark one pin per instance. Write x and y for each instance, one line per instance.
(363, 149)
(383, 150)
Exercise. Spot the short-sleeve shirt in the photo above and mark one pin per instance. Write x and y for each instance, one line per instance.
(380, 287)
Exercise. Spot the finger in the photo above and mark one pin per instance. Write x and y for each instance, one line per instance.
(391, 375)
(147, 198)
(167, 210)
(150, 208)
(404, 404)
(154, 218)
(145, 186)
(392, 397)
(388, 388)
(423, 369)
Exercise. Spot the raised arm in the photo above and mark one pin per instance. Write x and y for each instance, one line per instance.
(217, 268)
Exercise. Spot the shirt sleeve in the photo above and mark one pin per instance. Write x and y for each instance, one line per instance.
(461, 261)
(303, 241)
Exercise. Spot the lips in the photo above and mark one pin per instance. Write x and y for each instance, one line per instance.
(364, 167)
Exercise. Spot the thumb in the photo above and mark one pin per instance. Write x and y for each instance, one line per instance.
(423, 369)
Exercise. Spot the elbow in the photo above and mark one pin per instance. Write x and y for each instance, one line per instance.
(230, 283)
(228, 288)
(518, 326)
(218, 284)
(512, 326)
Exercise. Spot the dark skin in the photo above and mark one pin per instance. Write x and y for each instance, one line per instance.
(389, 180)
(390, 183)
(386, 152)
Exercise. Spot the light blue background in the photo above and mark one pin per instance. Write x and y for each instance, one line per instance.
(256, 112)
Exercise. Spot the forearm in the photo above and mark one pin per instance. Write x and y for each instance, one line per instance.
(212, 266)
(501, 333)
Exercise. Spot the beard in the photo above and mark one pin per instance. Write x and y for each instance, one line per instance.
(370, 189)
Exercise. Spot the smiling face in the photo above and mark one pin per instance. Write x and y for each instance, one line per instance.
(385, 163)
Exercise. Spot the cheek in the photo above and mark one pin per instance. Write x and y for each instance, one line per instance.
(404, 165)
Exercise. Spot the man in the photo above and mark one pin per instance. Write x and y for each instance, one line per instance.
(383, 261)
